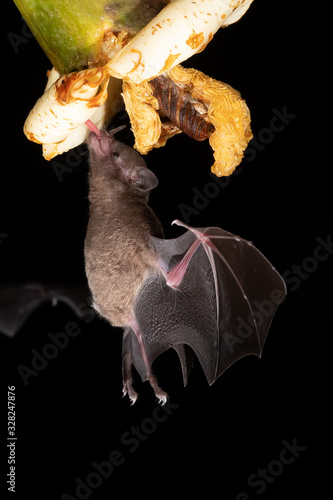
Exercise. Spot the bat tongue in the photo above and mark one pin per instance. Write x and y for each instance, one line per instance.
(96, 130)
(93, 128)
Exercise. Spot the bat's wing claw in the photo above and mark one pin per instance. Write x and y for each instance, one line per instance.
(180, 223)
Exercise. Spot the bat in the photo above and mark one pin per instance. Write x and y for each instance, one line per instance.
(19, 301)
(206, 293)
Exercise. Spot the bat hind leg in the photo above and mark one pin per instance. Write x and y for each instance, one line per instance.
(159, 393)
(127, 379)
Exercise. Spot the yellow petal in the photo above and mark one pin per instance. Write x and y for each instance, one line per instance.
(227, 111)
(141, 107)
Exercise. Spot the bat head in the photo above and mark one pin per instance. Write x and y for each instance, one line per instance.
(116, 161)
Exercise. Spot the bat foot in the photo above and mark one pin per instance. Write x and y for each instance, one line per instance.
(159, 393)
(162, 399)
(128, 390)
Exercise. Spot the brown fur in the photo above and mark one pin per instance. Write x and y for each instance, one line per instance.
(119, 255)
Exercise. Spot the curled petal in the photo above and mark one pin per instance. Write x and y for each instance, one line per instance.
(67, 103)
(226, 110)
(141, 107)
(221, 107)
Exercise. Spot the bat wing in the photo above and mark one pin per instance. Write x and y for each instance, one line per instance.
(221, 309)
(19, 301)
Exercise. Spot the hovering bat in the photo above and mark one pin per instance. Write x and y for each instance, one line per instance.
(19, 301)
(207, 292)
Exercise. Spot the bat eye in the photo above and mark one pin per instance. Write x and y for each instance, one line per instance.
(115, 155)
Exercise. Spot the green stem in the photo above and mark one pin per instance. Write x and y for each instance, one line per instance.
(71, 33)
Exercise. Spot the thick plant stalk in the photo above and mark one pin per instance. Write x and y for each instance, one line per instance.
(70, 33)
(77, 34)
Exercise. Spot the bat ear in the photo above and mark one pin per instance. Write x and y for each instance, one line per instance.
(142, 179)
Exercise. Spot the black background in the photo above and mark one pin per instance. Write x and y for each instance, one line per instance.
(71, 413)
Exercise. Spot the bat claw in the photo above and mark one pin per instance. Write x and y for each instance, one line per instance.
(128, 390)
(162, 399)
(161, 395)
(179, 223)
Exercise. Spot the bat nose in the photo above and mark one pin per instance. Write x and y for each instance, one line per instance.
(92, 140)
(104, 142)
(99, 144)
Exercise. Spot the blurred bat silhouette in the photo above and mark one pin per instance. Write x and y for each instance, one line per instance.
(19, 301)
(207, 292)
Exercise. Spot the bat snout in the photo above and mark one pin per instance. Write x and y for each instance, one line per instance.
(99, 145)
